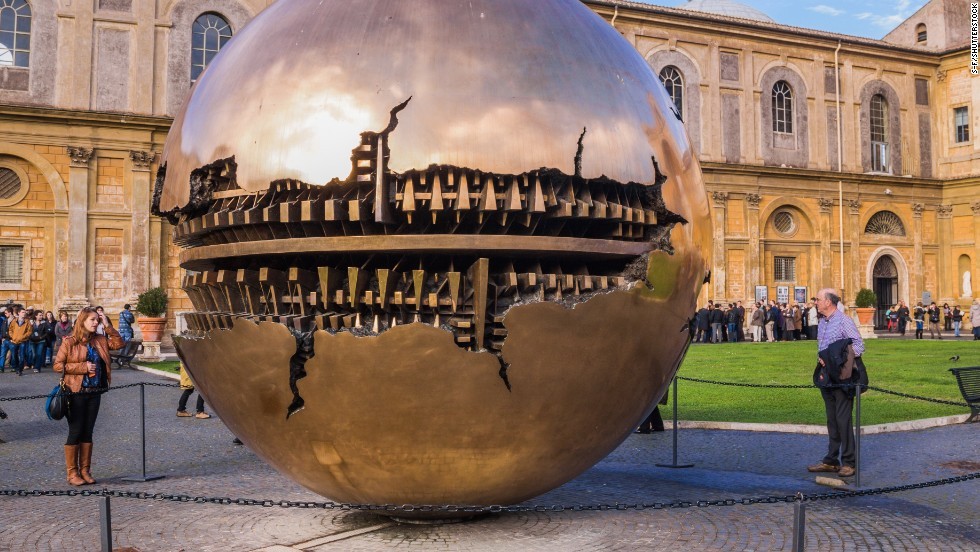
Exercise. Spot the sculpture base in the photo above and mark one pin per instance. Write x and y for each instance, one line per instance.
(151, 352)
(867, 331)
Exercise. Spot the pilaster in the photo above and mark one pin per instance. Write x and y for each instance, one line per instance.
(944, 228)
(76, 292)
(718, 272)
(854, 257)
(139, 278)
(826, 231)
(755, 247)
(917, 260)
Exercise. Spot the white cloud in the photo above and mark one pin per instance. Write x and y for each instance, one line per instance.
(900, 12)
(826, 10)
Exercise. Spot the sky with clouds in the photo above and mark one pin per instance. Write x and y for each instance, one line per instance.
(867, 18)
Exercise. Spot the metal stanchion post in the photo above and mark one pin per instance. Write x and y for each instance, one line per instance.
(799, 526)
(675, 430)
(105, 515)
(142, 477)
(857, 437)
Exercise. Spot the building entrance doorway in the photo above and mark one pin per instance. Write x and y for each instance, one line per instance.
(885, 278)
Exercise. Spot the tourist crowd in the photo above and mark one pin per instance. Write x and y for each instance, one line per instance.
(772, 321)
(30, 338)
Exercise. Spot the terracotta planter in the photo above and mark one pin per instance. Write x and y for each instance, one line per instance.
(865, 315)
(152, 328)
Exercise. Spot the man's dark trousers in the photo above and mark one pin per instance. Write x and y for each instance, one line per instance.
(838, 403)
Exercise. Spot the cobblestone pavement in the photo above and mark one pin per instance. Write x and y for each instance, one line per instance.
(198, 458)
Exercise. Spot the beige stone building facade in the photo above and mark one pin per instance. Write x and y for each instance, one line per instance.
(86, 100)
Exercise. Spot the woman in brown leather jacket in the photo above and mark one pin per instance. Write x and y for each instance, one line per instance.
(84, 359)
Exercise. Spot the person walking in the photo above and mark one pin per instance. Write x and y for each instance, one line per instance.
(812, 318)
(903, 317)
(770, 314)
(934, 329)
(919, 314)
(947, 318)
(84, 359)
(758, 322)
(741, 321)
(20, 335)
(6, 347)
(975, 319)
(731, 318)
(188, 386)
(957, 316)
(39, 340)
(126, 320)
(717, 319)
(836, 334)
(49, 348)
(62, 329)
(704, 324)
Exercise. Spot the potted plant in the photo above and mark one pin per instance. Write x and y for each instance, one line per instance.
(865, 302)
(152, 308)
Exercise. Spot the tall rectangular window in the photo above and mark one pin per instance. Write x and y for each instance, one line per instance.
(785, 269)
(11, 264)
(961, 122)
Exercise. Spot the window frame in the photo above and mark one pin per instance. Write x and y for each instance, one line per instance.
(24, 244)
(16, 52)
(921, 33)
(207, 54)
(25, 186)
(676, 89)
(961, 133)
(878, 128)
(788, 268)
(782, 108)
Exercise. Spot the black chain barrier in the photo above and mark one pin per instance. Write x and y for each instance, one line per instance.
(811, 386)
(519, 508)
(114, 388)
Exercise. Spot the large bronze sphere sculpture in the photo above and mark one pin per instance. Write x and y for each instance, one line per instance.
(440, 251)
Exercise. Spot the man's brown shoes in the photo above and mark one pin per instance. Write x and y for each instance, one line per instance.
(821, 467)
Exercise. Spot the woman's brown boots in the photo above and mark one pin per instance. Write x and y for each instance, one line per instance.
(85, 462)
(71, 462)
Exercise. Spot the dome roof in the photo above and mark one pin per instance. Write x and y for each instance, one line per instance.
(726, 7)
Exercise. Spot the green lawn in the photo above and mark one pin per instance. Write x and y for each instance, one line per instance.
(171, 366)
(908, 366)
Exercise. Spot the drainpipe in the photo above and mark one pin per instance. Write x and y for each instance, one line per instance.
(840, 164)
(615, 15)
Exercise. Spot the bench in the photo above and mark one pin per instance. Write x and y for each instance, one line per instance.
(124, 357)
(969, 381)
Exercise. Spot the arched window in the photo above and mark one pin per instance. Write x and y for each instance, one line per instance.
(674, 83)
(782, 108)
(879, 134)
(920, 33)
(885, 223)
(210, 33)
(15, 33)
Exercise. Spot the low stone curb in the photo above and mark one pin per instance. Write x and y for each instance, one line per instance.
(156, 372)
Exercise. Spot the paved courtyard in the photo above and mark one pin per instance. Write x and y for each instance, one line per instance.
(198, 458)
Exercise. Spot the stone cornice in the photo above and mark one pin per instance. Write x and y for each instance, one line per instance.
(849, 179)
(76, 117)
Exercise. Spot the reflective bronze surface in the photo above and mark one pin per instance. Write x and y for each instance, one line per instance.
(444, 250)
(505, 86)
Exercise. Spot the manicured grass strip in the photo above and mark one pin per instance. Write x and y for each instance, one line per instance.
(919, 367)
(172, 366)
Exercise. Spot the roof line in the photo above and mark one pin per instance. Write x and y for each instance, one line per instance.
(664, 10)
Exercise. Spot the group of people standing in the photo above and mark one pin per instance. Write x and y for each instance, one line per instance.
(30, 338)
(772, 321)
(900, 315)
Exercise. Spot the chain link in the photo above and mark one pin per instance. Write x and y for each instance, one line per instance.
(519, 508)
(70, 393)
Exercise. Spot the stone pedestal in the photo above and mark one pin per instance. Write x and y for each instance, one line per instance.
(867, 331)
(151, 352)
